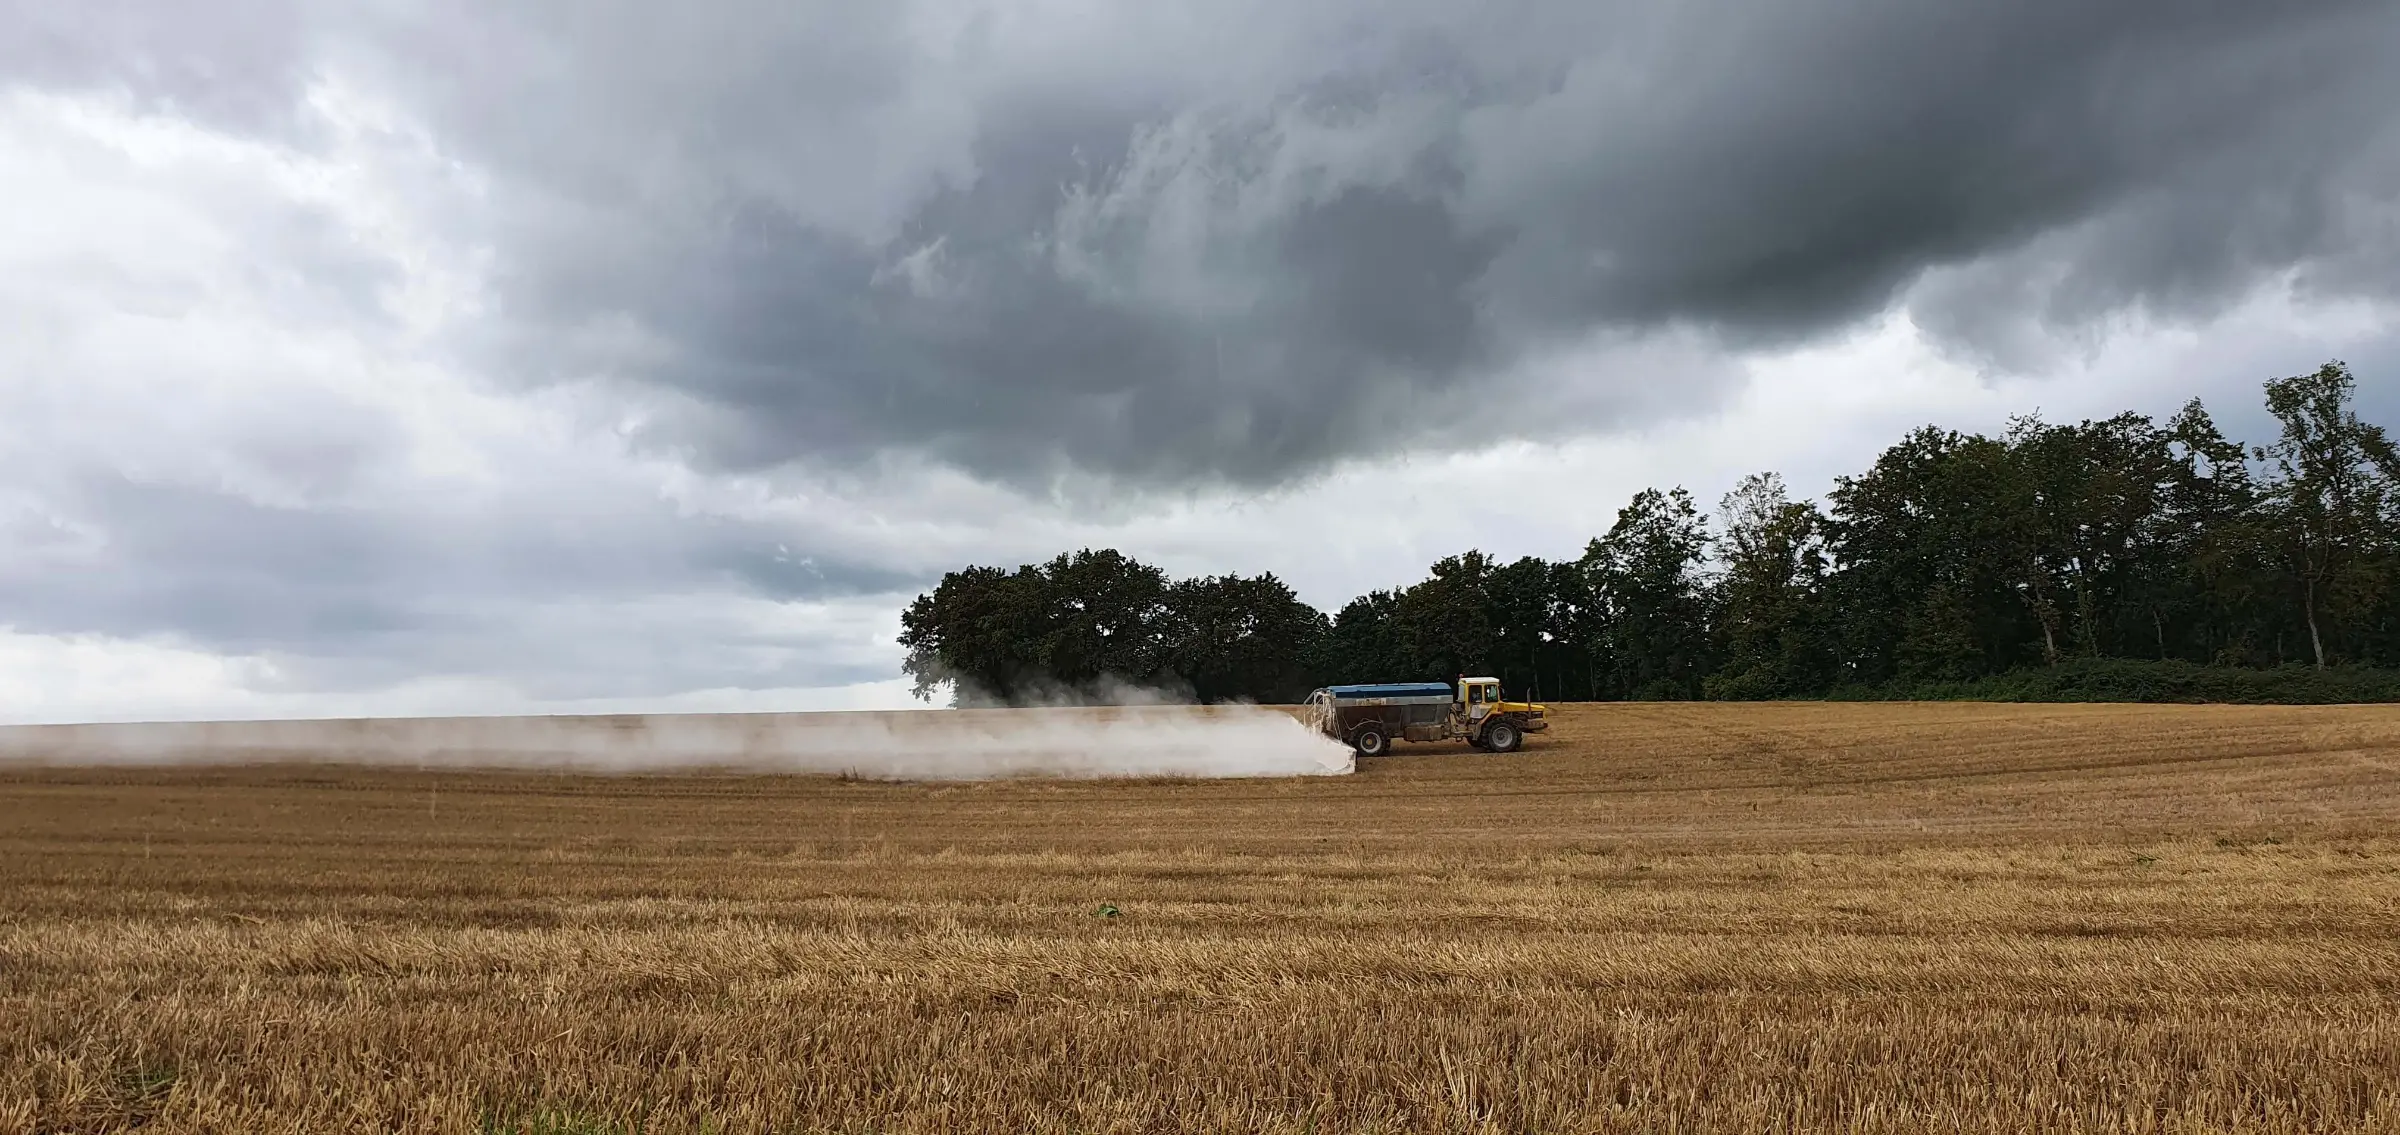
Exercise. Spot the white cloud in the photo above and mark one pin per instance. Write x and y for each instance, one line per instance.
(507, 547)
(57, 679)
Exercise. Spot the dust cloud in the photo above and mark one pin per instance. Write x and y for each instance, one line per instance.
(972, 744)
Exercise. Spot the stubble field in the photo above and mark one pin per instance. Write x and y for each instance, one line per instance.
(1658, 918)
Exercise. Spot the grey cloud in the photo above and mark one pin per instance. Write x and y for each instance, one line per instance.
(236, 63)
(1233, 242)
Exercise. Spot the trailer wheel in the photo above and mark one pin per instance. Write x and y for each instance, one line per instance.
(1502, 737)
(1370, 742)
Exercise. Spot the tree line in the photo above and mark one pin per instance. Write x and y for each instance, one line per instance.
(1953, 558)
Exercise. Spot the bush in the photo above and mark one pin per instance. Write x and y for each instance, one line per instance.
(2128, 680)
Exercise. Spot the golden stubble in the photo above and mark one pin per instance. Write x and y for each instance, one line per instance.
(1662, 917)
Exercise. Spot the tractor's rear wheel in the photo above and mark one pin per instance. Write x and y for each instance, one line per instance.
(1502, 737)
(1370, 742)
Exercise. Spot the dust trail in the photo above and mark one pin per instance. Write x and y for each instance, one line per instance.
(1218, 741)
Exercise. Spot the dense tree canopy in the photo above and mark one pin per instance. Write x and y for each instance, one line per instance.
(1952, 558)
(1087, 626)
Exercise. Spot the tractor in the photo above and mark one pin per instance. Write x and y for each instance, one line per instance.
(1369, 718)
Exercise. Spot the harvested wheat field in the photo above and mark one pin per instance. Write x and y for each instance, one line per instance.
(1659, 918)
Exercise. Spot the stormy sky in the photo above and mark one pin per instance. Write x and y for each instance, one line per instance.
(481, 356)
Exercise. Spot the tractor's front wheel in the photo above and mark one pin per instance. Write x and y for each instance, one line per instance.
(1502, 737)
(1370, 742)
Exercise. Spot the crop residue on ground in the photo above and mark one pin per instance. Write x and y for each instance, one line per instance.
(1662, 917)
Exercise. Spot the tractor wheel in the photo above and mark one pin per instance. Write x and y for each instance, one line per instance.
(1502, 737)
(1370, 742)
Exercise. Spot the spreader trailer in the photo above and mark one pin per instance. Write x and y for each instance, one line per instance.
(1369, 718)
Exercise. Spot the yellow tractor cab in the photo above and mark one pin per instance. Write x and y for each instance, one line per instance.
(1478, 696)
(1490, 722)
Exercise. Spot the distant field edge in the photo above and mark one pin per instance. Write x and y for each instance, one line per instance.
(2167, 682)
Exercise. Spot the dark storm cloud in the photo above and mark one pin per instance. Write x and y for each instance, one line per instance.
(1235, 241)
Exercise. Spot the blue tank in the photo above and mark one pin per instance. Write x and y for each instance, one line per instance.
(1393, 690)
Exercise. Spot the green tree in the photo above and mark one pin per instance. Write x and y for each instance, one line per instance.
(1646, 577)
(1229, 638)
(2091, 495)
(1573, 638)
(973, 634)
(1770, 596)
(1054, 631)
(1105, 615)
(1362, 645)
(1443, 625)
(1936, 543)
(1940, 639)
(1530, 653)
(2332, 498)
(2213, 571)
